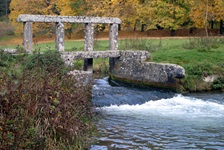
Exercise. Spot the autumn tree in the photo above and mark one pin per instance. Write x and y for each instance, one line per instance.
(126, 10)
(40, 7)
(170, 14)
(204, 12)
(72, 8)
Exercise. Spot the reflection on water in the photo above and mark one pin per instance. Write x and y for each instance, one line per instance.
(156, 119)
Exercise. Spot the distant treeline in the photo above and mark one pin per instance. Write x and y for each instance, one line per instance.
(138, 15)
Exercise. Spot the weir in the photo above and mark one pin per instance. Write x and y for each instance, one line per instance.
(125, 66)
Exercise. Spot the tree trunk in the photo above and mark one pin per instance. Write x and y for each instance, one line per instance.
(135, 26)
(142, 28)
(6, 8)
(206, 20)
(212, 24)
(221, 27)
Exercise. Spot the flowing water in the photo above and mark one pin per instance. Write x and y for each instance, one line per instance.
(133, 118)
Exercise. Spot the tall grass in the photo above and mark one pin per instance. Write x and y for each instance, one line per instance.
(140, 44)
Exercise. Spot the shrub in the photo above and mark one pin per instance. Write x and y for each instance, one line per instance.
(218, 84)
(42, 109)
(49, 61)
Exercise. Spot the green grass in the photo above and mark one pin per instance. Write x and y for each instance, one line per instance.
(199, 56)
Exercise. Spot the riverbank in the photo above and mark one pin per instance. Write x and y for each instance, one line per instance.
(202, 57)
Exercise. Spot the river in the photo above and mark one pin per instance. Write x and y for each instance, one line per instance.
(137, 119)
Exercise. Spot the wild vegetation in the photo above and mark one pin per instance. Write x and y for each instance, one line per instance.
(40, 106)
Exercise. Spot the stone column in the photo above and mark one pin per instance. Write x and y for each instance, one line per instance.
(88, 45)
(59, 39)
(27, 37)
(113, 42)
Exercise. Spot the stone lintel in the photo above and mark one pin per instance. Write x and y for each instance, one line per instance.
(92, 54)
(70, 19)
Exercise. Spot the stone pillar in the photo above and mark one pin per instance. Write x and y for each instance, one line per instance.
(59, 39)
(88, 45)
(113, 42)
(27, 37)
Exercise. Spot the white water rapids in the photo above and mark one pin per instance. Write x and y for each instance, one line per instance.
(155, 119)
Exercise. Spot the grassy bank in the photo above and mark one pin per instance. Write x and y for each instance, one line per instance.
(40, 108)
(201, 57)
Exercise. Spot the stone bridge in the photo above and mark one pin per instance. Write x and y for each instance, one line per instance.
(125, 66)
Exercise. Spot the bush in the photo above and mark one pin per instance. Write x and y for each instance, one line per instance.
(218, 84)
(50, 61)
(42, 109)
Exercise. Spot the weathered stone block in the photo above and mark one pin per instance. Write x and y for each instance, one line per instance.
(131, 67)
(83, 78)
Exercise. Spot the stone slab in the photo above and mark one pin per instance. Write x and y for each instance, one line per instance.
(70, 19)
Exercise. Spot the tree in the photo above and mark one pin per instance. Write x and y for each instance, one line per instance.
(40, 7)
(4, 7)
(126, 10)
(205, 11)
(72, 8)
(170, 14)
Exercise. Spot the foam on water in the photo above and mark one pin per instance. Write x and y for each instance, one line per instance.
(133, 118)
(178, 106)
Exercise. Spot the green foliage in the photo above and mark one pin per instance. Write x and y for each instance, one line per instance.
(101, 66)
(78, 64)
(199, 69)
(49, 61)
(5, 59)
(218, 84)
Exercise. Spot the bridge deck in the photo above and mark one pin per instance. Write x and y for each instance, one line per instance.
(71, 19)
(91, 54)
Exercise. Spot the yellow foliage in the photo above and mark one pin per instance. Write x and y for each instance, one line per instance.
(153, 13)
(40, 7)
(213, 8)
